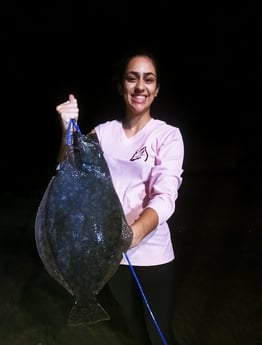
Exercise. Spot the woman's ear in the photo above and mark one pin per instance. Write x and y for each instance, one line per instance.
(157, 90)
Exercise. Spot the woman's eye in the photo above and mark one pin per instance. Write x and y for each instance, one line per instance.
(131, 79)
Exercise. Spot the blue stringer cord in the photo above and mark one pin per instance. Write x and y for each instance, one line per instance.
(145, 299)
(73, 123)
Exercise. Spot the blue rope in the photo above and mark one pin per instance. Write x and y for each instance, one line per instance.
(145, 299)
(69, 134)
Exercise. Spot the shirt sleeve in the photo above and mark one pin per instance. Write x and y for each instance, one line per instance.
(166, 176)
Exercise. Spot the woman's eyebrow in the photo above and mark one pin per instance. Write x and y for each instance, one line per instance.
(144, 74)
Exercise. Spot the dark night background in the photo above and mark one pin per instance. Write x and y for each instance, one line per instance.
(210, 57)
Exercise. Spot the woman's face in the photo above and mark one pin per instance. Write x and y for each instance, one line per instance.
(139, 85)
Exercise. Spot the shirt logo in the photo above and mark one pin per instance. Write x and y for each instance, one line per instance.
(142, 153)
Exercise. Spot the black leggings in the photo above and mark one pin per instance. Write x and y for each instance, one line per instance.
(150, 325)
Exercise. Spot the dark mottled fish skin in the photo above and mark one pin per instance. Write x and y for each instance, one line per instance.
(80, 229)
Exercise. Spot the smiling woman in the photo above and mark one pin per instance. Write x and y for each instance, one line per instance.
(145, 158)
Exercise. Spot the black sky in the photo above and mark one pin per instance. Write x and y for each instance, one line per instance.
(210, 87)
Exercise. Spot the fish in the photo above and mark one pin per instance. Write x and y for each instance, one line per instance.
(81, 231)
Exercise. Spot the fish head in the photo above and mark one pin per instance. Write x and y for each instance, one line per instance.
(86, 153)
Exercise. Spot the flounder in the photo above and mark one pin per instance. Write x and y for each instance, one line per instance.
(80, 228)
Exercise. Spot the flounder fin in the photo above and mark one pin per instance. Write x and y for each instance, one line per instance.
(87, 315)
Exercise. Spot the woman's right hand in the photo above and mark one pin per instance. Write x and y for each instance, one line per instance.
(68, 110)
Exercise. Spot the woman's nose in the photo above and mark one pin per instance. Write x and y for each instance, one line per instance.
(140, 84)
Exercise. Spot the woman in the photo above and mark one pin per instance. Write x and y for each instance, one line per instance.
(145, 157)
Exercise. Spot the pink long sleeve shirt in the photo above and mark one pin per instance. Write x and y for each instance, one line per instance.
(146, 170)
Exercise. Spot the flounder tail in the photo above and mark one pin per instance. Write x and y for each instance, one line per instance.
(83, 315)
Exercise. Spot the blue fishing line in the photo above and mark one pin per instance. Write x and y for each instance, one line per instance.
(145, 299)
(69, 135)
